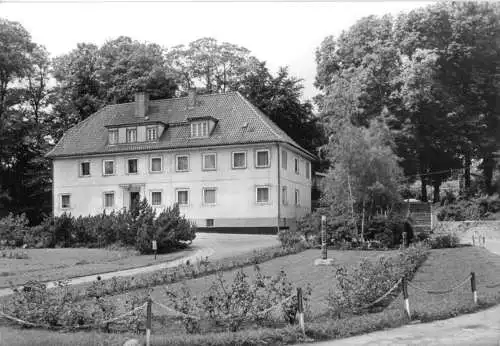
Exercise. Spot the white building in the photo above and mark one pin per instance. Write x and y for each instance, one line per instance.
(228, 165)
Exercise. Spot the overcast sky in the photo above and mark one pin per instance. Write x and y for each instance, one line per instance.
(281, 33)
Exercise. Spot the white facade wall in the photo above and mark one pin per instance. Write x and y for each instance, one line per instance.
(289, 210)
(235, 206)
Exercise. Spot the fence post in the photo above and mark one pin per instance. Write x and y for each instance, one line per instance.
(300, 309)
(473, 240)
(405, 296)
(324, 250)
(148, 322)
(473, 286)
(484, 241)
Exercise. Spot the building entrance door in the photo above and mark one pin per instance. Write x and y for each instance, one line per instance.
(134, 199)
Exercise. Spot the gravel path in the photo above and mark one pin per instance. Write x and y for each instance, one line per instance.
(480, 328)
(214, 246)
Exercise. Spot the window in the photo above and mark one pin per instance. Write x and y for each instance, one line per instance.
(132, 166)
(262, 194)
(307, 170)
(284, 195)
(210, 222)
(65, 201)
(182, 163)
(209, 162)
(284, 159)
(297, 171)
(199, 129)
(109, 199)
(239, 159)
(131, 135)
(183, 197)
(109, 167)
(84, 169)
(262, 158)
(156, 198)
(113, 136)
(297, 197)
(209, 195)
(155, 164)
(151, 134)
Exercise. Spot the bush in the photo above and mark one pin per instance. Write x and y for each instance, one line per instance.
(472, 209)
(388, 230)
(445, 241)
(362, 284)
(12, 229)
(130, 228)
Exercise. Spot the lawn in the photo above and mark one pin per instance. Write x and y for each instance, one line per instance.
(59, 264)
(443, 269)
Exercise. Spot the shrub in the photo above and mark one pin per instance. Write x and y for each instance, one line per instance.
(459, 211)
(388, 230)
(12, 229)
(445, 241)
(367, 281)
(131, 228)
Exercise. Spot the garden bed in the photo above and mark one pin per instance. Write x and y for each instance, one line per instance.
(443, 269)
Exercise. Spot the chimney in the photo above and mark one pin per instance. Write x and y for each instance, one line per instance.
(191, 99)
(141, 104)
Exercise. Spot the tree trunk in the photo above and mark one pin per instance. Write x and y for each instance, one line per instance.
(363, 223)
(467, 165)
(488, 167)
(352, 200)
(436, 185)
(423, 188)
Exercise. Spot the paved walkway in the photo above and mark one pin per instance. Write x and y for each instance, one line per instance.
(480, 328)
(214, 246)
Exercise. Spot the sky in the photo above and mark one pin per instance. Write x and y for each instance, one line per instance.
(280, 33)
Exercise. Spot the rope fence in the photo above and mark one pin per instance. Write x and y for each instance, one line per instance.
(445, 291)
(403, 282)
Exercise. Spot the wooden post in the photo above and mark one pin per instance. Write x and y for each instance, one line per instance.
(324, 250)
(300, 309)
(405, 296)
(473, 286)
(404, 239)
(148, 322)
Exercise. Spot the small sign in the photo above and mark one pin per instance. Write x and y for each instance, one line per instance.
(155, 247)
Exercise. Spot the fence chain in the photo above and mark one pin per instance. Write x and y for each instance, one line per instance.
(493, 285)
(176, 312)
(449, 290)
(84, 326)
(263, 312)
(383, 296)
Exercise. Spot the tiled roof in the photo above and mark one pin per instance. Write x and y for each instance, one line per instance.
(231, 110)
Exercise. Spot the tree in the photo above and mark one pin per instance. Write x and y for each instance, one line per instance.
(24, 68)
(364, 174)
(216, 66)
(279, 98)
(127, 66)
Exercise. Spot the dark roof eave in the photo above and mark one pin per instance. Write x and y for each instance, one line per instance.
(307, 153)
(147, 122)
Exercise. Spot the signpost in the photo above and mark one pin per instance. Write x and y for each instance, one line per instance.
(155, 247)
(324, 260)
(324, 253)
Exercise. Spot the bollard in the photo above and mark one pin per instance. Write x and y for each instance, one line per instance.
(484, 241)
(473, 286)
(148, 322)
(300, 309)
(324, 250)
(405, 296)
(473, 240)
(404, 240)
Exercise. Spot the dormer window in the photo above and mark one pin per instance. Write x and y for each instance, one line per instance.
(199, 129)
(113, 136)
(132, 135)
(152, 134)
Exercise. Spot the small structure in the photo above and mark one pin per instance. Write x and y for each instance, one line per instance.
(324, 260)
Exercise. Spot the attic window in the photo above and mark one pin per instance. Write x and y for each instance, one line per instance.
(113, 136)
(152, 134)
(199, 129)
